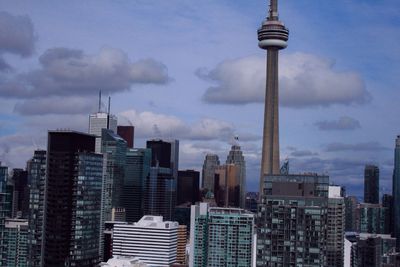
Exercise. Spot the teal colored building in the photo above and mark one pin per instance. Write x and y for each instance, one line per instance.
(221, 237)
(15, 240)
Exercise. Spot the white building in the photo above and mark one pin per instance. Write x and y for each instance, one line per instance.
(123, 262)
(151, 239)
(98, 121)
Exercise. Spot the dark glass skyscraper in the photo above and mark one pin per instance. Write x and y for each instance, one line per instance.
(211, 162)
(188, 187)
(160, 185)
(72, 200)
(136, 171)
(371, 184)
(19, 179)
(396, 192)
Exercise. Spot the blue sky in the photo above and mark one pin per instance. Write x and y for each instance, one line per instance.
(192, 70)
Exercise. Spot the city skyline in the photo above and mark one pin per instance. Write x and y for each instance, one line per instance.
(336, 85)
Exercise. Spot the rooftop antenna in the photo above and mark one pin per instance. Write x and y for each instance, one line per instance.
(273, 10)
(108, 112)
(109, 105)
(99, 101)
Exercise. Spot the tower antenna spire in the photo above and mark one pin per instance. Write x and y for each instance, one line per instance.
(99, 101)
(273, 10)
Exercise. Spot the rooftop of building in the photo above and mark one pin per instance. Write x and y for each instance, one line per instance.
(121, 261)
(150, 221)
(15, 223)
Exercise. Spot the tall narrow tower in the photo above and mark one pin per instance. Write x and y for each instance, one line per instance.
(272, 36)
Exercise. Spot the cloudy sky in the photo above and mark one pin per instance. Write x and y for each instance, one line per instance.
(192, 70)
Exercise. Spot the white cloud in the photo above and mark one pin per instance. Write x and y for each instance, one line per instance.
(149, 124)
(305, 80)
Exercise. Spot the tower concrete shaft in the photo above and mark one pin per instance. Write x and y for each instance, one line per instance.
(272, 36)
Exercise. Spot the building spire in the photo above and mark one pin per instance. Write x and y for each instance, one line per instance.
(273, 10)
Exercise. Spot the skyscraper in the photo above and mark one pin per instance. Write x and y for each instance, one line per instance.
(188, 187)
(335, 231)
(160, 185)
(101, 120)
(72, 200)
(37, 175)
(5, 207)
(236, 157)
(220, 237)
(396, 192)
(352, 222)
(272, 36)
(211, 161)
(371, 184)
(128, 134)
(137, 169)
(19, 180)
(387, 202)
(227, 186)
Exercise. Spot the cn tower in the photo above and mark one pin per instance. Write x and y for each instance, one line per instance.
(272, 36)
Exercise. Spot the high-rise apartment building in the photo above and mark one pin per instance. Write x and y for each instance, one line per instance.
(236, 157)
(137, 169)
(371, 184)
(227, 186)
(396, 192)
(335, 230)
(5, 208)
(16, 243)
(128, 134)
(211, 162)
(352, 221)
(36, 168)
(161, 184)
(292, 221)
(99, 121)
(188, 188)
(151, 239)
(220, 237)
(72, 200)
(181, 245)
